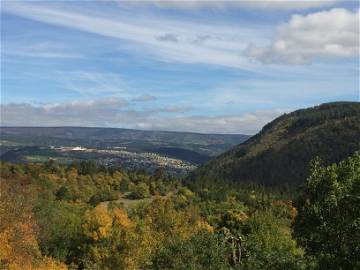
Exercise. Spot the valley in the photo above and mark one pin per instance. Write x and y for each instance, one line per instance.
(68, 197)
(178, 153)
(180, 135)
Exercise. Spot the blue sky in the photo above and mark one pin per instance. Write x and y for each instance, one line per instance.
(213, 67)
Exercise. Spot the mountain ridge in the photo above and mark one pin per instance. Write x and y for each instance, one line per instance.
(122, 129)
(282, 150)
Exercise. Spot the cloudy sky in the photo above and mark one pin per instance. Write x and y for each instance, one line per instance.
(213, 67)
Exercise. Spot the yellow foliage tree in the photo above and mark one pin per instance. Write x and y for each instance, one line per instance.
(98, 223)
(19, 248)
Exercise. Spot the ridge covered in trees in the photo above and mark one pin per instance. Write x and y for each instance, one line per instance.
(280, 153)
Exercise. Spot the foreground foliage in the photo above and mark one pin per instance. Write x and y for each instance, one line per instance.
(328, 223)
(86, 217)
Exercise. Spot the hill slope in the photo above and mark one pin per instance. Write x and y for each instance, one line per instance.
(282, 150)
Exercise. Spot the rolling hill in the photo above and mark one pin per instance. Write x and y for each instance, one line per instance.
(282, 150)
(192, 147)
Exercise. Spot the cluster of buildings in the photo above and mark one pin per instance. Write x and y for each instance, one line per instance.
(132, 160)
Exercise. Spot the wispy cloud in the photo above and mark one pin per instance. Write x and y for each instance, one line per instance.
(253, 4)
(90, 83)
(38, 50)
(169, 37)
(222, 47)
(43, 54)
(144, 98)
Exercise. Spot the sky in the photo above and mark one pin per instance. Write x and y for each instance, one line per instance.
(198, 66)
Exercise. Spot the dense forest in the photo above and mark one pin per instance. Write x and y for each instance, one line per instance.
(81, 216)
(282, 150)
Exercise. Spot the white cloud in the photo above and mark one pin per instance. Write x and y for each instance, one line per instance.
(251, 4)
(115, 112)
(75, 107)
(248, 123)
(288, 4)
(333, 33)
(88, 112)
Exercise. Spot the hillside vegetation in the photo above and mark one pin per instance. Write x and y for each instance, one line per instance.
(282, 150)
(74, 217)
(86, 216)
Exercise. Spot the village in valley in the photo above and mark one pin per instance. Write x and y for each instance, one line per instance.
(131, 160)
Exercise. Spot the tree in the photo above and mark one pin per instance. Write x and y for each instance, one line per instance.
(63, 193)
(140, 191)
(87, 167)
(60, 229)
(112, 240)
(328, 220)
(124, 185)
(269, 245)
(19, 248)
(203, 250)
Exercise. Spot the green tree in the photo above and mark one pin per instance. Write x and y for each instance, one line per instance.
(63, 193)
(202, 251)
(87, 167)
(269, 245)
(328, 220)
(140, 191)
(124, 185)
(61, 233)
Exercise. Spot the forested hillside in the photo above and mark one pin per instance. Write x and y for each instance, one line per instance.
(282, 150)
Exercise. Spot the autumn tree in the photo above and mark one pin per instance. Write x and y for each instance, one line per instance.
(19, 249)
